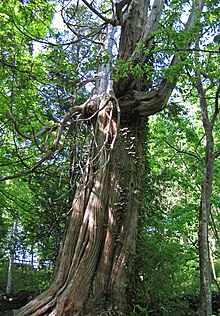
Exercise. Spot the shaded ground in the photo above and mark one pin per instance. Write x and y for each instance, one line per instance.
(6, 313)
(10, 302)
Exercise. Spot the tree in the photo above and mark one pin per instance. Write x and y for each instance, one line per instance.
(11, 257)
(98, 249)
(209, 114)
(192, 180)
(203, 145)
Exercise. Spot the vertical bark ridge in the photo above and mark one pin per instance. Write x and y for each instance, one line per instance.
(118, 249)
(101, 229)
(80, 276)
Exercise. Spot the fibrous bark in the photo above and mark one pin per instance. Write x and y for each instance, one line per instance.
(97, 252)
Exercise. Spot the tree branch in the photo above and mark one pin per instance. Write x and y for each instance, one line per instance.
(187, 50)
(216, 154)
(119, 7)
(46, 128)
(16, 162)
(12, 66)
(89, 105)
(41, 41)
(94, 10)
(28, 171)
(153, 21)
(151, 102)
(216, 107)
(182, 151)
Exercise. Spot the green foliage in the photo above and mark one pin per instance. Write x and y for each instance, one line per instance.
(125, 69)
(37, 83)
(168, 262)
(138, 310)
(25, 278)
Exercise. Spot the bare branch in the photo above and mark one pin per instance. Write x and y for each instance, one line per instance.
(41, 41)
(94, 10)
(18, 130)
(182, 151)
(216, 154)
(199, 143)
(89, 36)
(28, 171)
(81, 109)
(42, 131)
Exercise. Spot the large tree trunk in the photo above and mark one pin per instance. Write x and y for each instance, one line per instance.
(98, 249)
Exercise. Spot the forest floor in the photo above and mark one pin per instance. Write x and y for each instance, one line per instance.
(8, 303)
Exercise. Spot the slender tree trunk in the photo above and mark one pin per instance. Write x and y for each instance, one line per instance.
(11, 256)
(205, 304)
(205, 308)
(212, 246)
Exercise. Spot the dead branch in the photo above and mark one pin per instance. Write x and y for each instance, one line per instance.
(94, 10)
(90, 105)
(49, 128)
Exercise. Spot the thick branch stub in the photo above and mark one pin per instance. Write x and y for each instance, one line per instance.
(91, 106)
(146, 103)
